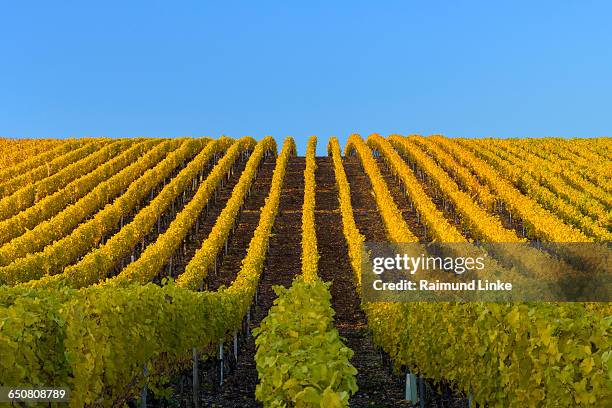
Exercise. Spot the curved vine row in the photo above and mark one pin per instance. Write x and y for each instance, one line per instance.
(34, 191)
(435, 221)
(54, 265)
(37, 153)
(53, 204)
(547, 196)
(538, 221)
(394, 223)
(46, 170)
(157, 254)
(57, 227)
(205, 257)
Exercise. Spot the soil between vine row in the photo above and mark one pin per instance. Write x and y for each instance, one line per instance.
(283, 263)
(378, 386)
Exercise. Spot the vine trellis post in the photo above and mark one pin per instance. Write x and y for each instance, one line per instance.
(195, 380)
(144, 390)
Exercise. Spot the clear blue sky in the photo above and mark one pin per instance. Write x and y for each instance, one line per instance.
(460, 68)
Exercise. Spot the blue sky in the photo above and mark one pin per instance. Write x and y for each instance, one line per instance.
(460, 68)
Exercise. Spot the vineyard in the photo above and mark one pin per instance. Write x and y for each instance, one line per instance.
(228, 272)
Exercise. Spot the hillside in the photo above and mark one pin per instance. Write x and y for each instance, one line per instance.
(147, 271)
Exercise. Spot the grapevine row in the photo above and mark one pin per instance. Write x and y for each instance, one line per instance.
(544, 195)
(55, 261)
(66, 248)
(301, 359)
(538, 221)
(310, 254)
(434, 220)
(352, 235)
(48, 169)
(206, 256)
(394, 222)
(246, 282)
(36, 153)
(51, 205)
(159, 253)
(35, 191)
